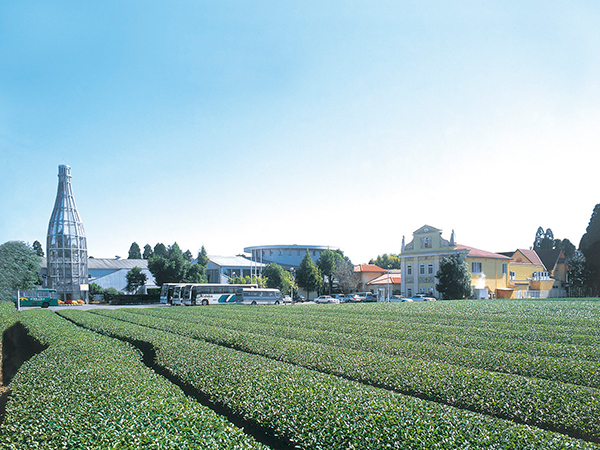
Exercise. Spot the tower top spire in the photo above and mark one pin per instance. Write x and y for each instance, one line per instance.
(64, 170)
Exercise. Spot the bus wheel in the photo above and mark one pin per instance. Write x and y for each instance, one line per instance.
(253, 303)
(277, 302)
(45, 304)
(204, 302)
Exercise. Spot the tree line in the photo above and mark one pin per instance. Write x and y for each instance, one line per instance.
(20, 265)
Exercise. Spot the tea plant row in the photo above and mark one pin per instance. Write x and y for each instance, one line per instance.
(394, 321)
(547, 404)
(89, 391)
(316, 410)
(566, 370)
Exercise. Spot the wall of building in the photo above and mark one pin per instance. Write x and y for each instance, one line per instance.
(285, 255)
(491, 275)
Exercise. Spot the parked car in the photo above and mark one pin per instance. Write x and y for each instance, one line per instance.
(326, 299)
(366, 296)
(351, 298)
(300, 298)
(423, 298)
(287, 299)
(340, 297)
(399, 298)
(370, 297)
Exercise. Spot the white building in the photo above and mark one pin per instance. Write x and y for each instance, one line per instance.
(220, 269)
(111, 272)
(287, 256)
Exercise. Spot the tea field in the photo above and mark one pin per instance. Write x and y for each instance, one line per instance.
(500, 374)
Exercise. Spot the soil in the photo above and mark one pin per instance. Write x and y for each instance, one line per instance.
(17, 347)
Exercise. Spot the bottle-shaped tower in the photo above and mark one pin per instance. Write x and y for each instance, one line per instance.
(66, 244)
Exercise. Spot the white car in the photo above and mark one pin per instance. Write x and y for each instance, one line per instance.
(326, 299)
(423, 298)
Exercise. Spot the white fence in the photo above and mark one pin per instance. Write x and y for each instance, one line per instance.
(554, 293)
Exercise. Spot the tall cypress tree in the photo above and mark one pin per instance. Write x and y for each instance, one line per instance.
(308, 275)
(203, 257)
(134, 252)
(590, 247)
(326, 264)
(147, 251)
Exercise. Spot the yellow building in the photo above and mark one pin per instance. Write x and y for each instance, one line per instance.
(420, 261)
(531, 277)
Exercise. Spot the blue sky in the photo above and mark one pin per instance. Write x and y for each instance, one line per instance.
(231, 124)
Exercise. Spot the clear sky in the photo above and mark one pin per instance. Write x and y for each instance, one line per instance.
(345, 123)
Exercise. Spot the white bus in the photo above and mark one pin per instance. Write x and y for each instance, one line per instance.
(212, 293)
(171, 293)
(254, 296)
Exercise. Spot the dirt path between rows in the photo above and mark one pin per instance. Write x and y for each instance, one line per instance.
(17, 346)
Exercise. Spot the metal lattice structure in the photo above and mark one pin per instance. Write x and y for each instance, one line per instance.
(66, 244)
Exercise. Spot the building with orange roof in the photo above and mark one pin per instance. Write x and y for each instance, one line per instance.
(387, 284)
(367, 273)
(537, 273)
(420, 262)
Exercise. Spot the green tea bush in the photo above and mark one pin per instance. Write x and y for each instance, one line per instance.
(316, 410)
(547, 404)
(89, 391)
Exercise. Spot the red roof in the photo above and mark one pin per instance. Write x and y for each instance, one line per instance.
(383, 279)
(368, 268)
(532, 256)
(476, 253)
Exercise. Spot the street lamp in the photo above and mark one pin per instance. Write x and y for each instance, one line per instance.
(292, 283)
(388, 283)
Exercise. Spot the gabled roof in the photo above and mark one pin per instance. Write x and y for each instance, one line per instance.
(368, 268)
(109, 263)
(234, 261)
(116, 264)
(427, 229)
(476, 253)
(532, 256)
(551, 257)
(394, 278)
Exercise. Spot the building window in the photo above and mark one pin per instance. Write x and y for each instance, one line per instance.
(271, 252)
(512, 276)
(430, 269)
(476, 267)
(290, 253)
(409, 269)
(280, 253)
(421, 269)
(504, 269)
